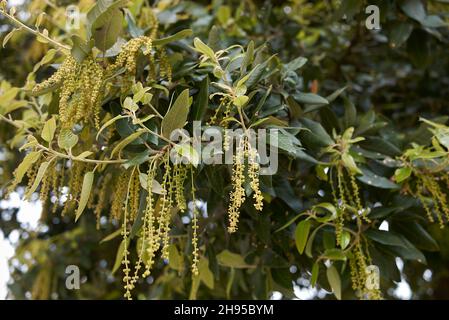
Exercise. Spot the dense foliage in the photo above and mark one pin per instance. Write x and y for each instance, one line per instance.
(86, 120)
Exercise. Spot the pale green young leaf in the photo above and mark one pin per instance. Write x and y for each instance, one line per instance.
(67, 139)
(315, 273)
(119, 257)
(229, 259)
(122, 144)
(25, 165)
(333, 277)
(111, 236)
(176, 116)
(85, 193)
(205, 274)
(201, 47)
(176, 259)
(176, 37)
(48, 132)
(40, 174)
(402, 174)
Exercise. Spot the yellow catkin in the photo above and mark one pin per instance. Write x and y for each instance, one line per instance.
(167, 203)
(165, 67)
(237, 195)
(253, 173)
(359, 274)
(31, 174)
(125, 233)
(149, 233)
(433, 189)
(342, 205)
(67, 68)
(357, 200)
(128, 54)
(134, 195)
(46, 183)
(179, 176)
(119, 195)
(425, 205)
(195, 251)
(101, 201)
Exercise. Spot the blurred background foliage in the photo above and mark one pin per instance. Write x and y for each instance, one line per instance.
(401, 72)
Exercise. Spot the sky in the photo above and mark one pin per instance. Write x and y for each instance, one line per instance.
(28, 215)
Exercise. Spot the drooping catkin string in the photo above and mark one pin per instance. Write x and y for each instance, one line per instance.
(195, 251)
(253, 173)
(237, 195)
(125, 233)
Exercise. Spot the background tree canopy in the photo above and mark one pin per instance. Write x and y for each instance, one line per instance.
(86, 114)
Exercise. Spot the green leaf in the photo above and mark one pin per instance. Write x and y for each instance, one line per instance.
(119, 257)
(122, 144)
(334, 254)
(201, 47)
(370, 178)
(240, 101)
(187, 152)
(9, 35)
(294, 65)
(248, 58)
(402, 174)
(316, 133)
(301, 235)
(176, 259)
(233, 260)
(80, 48)
(309, 245)
(258, 73)
(25, 165)
(414, 9)
(176, 37)
(400, 33)
(111, 236)
(416, 234)
(315, 273)
(106, 35)
(176, 116)
(48, 132)
(85, 193)
(349, 163)
(345, 239)
(385, 237)
(101, 14)
(205, 274)
(67, 139)
(333, 277)
(202, 100)
(108, 123)
(40, 174)
(310, 98)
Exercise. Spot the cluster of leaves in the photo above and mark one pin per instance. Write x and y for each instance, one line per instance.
(345, 166)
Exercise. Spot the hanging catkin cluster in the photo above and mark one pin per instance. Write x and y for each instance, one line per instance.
(429, 191)
(361, 284)
(127, 58)
(245, 154)
(81, 88)
(346, 197)
(157, 216)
